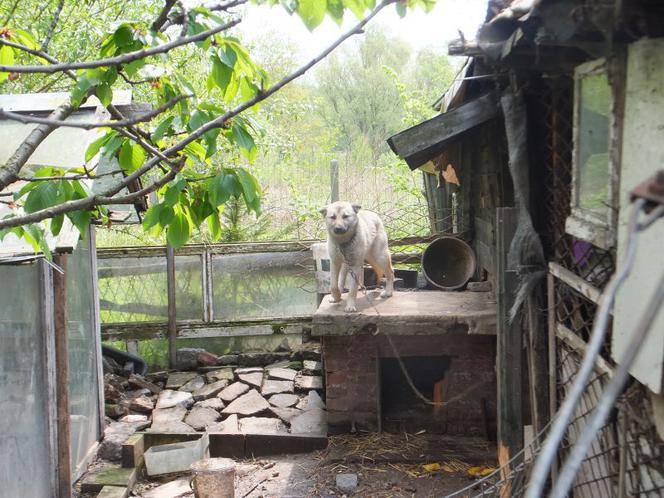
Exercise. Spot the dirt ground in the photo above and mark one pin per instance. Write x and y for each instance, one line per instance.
(386, 466)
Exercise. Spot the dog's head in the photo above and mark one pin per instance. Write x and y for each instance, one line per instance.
(340, 217)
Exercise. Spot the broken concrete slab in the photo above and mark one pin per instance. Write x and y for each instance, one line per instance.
(194, 384)
(164, 415)
(254, 379)
(262, 425)
(246, 370)
(248, 404)
(313, 421)
(172, 426)
(115, 435)
(231, 392)
(311, 400)
(200, 417)
(134, 418)
(228, 426)
(281, 373)
(173, 489)
(178, 379)
(140, 383)
(286, 414)
(220, 374)
(284, 400)
(214, 403)
(169, 399)
(276, 387)
(210, 390)
(108, 475)
(312, 367)
(113, 492)
(142, 404)
(307, 382)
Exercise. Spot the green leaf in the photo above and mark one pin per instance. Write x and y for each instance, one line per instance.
(56, 224)
(6, 59)
(401, 8)
(152, 215)
(312, 12)
(336, 10)
(104, 94)
(214, 226)
(246, 142)
(80, 219)
(166, 215)
(131, 156)
(356, 6)
(179, 229)
(80, 91)
(162, 128)
(42, 196)
(195, 150)
(250, 186)
(132, 68)
(123, 36)
(227, 55)
(221, 187)
(95, 146)
(25, 38)
(221, 74)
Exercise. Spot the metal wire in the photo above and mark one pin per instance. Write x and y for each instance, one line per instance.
(611, 393)
(562, 420)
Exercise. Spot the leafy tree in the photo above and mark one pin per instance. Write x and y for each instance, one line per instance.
(192, 150)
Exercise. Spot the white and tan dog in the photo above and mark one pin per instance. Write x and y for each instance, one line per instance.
(355, 236)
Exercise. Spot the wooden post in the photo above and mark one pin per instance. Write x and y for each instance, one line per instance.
(334, 180)
(509, 341)
(537, 367)
(62, 373)
(172, 315)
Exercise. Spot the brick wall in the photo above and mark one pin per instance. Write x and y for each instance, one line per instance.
(353, 384)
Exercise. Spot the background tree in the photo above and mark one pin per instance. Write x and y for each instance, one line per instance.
(191, 150)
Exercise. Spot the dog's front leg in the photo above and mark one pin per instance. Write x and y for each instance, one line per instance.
(335, 267)
(356, 281)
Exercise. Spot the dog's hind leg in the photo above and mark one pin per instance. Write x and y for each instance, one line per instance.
(335, 268)
(385, 264)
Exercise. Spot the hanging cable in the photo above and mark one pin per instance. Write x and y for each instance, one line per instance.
(609, 396)
(566, 412)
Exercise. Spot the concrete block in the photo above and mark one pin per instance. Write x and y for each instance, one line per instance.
(176, 457)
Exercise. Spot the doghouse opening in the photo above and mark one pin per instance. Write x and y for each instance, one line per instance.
(401, 409)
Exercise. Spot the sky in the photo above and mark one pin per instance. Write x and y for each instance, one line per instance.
(421, 29)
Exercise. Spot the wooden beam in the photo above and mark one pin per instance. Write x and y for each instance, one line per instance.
(575, 282)
(62, 372)
(419, 144)
(580, 346)
(172, 314)
(509, 346)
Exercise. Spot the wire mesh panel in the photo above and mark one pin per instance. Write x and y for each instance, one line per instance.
(25, 468)
(247, 286)
(83, 382)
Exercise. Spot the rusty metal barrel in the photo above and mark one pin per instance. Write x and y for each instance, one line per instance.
(448, 263)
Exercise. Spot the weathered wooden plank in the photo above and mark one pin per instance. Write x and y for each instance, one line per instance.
(508, 360)
(579, 345)
(537, 367)
(62, 368)
(420, 143)
(575, 282)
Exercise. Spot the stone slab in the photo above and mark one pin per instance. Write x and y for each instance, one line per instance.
(142, 404)
(178, 379)
(311, 366)
(262, 425)
(169, 399)
(174, 426)
(284, 400)
(281, 373)
(200, 417)
(307, 382)
(108, 475)
(313, 421)
(113, 492)
(214, 403)
(139, 382)
(286, 414)
(220, 374)
(210, 390)
(311, 400)
(246, 370)
(230, 425)
(175, 413)
(193, 385)
(115, 434)
(248, 404)
(276, 387)
(410, 313)
(173, 489)
(231, 392)
(254, 379)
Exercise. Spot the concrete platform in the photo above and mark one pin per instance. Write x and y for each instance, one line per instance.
(409, 313)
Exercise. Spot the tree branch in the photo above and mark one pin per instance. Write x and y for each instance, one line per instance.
(51, 28)
(163, 15)
(89, 125)
(37, 53)
(124, 58)
(12, 167)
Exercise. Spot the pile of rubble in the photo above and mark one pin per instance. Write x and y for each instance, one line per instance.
(255, 395)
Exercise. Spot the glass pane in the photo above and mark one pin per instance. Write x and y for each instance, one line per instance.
(188, 288)
(83, 386)
(24, 463)
(593, 146)
(263, 285)
(132, 289)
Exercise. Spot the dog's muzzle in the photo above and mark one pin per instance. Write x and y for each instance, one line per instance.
(339, 230)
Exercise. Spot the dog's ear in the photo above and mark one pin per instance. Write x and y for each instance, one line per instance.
(356, 207)
(323, 211)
